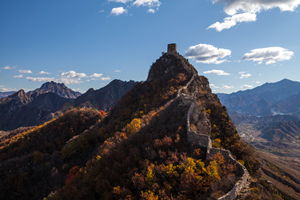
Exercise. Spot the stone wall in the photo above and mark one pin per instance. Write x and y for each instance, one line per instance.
(204, 141)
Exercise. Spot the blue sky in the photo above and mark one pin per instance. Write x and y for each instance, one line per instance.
(237, 44)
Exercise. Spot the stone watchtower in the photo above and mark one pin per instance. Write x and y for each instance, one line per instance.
(172, 48)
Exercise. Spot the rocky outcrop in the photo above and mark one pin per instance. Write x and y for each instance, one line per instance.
(56, 88)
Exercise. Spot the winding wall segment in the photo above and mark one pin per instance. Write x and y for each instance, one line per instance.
(204, 141)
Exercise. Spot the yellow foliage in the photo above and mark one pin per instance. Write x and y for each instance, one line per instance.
(150, 176)
(171, 170)
(117, 190)
(134, 126)
(200, 164)
(212, 170)
(149, 195)
(98, 157)
(218, 140)
(241, 161)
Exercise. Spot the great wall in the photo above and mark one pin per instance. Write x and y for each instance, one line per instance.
(241, 187)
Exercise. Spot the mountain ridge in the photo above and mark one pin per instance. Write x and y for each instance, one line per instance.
(266, 96)
(153, 110)
(52, 99)
(166, 138)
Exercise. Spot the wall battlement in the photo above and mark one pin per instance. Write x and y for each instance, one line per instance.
(172, 48)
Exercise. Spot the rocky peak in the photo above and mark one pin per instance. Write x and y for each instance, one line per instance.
(169, 65)
(20, 96)
(57, 88)
(52, 84)
(20, 93)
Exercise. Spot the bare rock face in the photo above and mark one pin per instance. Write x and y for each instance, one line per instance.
(56, 88)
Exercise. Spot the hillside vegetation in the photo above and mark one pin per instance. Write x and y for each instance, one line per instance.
(31, 163)
(139, 150)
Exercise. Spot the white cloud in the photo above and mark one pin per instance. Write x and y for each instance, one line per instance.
(269, 55)
(120, 1)
(226, 87)
(5, 89)
(258, 82)
(117, 71)
(25, 71)
(217, 71)
(150, 3)
(232, 21)
(43, 72)
(246, 86)
(73, 74)
(71, 77)
(213, 86)
(253, 6)
(8, 67)
(118, 11)
(40, 79)
(105, 78)
(244, 75)
(95, 75)
(69, 81)
(206, 53)
(151, 10)
(101, 11)
(245, 10)
(19, 76)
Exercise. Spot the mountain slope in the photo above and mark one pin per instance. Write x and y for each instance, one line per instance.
(104, 98)
(280, 131)
(44, 103)
(147, 153)
(165, 139)
(34, 107)
(31, 162)
(289, 105)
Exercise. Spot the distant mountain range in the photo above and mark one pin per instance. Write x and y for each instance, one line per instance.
(269, 99)
(51, 99)
(269, 113)
(5, 94)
